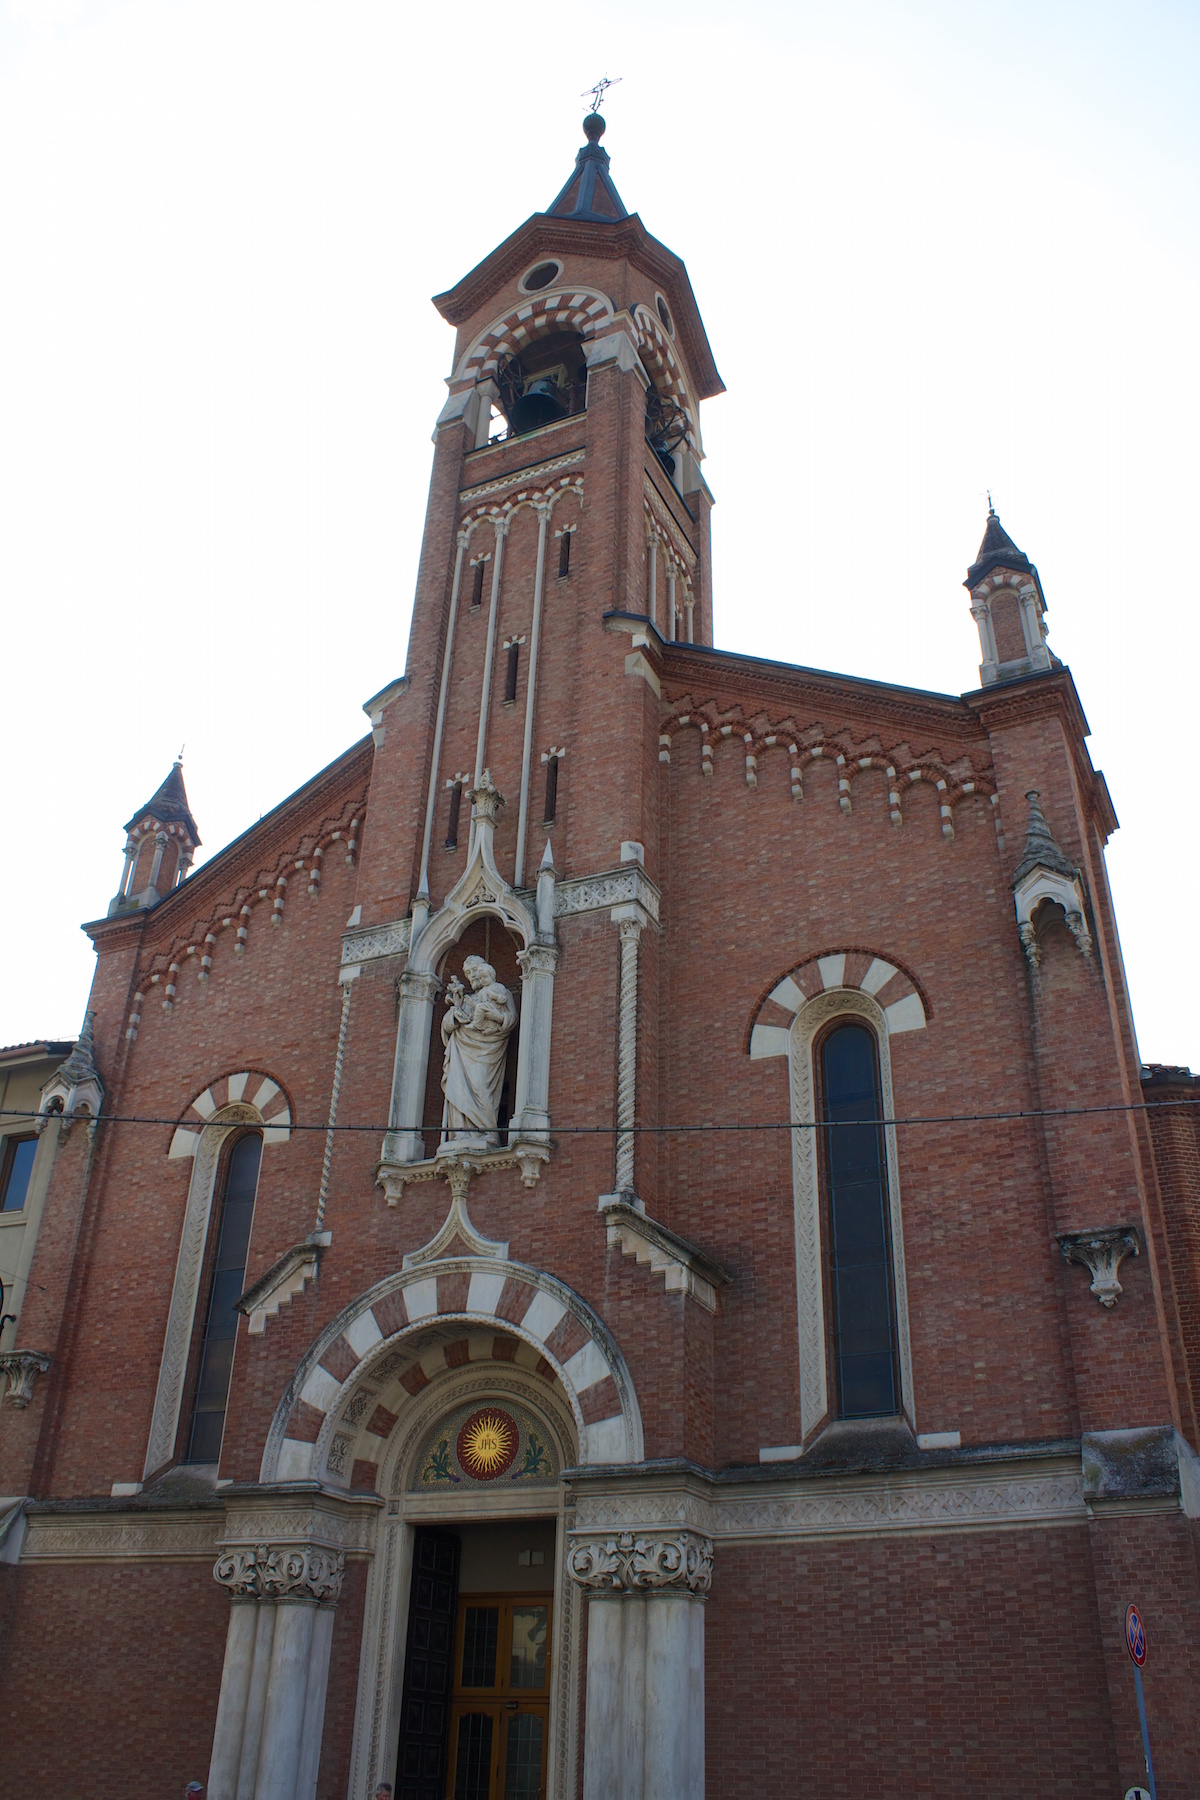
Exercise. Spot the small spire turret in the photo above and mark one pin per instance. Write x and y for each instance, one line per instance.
(160, 841)
(590, 193)
(1008, 606)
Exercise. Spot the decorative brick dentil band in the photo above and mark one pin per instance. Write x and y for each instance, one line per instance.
(281, 1572)
(630, 1562)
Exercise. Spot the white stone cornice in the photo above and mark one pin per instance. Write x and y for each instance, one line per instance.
(122, 1537)
(376, 942)
(687, 1270)
(281, 1283)
(628, 886)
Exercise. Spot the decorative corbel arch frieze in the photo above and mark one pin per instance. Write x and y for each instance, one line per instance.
(239, 1100)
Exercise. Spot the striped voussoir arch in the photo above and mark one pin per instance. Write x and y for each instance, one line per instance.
(414, 1326)
(661, 360)
(895, 993)
(249, 1087)
(549, 312)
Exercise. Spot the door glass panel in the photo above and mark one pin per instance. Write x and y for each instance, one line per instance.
(473, 1766)
(479, 1646)
(530, 1624)
(523, 1764)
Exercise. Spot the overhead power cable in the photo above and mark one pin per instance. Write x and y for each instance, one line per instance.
(1041, 1112)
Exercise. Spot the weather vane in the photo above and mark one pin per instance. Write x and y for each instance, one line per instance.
(596, 94)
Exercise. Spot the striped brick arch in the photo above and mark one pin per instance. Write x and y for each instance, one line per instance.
(580, 310)
(370, 1364)
(896, 993)
(248, 1087)
(661, 361)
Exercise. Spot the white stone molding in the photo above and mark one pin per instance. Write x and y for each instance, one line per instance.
(630, 924)
(281, 1572)
(538, 475)
(637, 1562)
(627, 886)
(686, 1269)
(283, 1281)
(422, 1307)
(1013, 1493)
(812, 1017)
(1101, 1252)
(334, 1091)
(204, 1148)
(456, 1234)
(373, 944)
(543, 514)
(122, 1537)
(20, 1369)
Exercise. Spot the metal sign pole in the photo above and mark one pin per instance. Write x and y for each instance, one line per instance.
(1135, 1643)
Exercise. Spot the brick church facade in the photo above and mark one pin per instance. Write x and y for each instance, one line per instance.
(607, 1247)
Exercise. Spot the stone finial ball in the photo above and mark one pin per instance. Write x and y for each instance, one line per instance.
(593, 128)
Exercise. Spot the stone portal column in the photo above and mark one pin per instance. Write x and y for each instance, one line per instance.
(267, 1743)
(418, 991)
(644, 1725)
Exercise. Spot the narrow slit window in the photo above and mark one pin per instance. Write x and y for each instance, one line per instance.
(861, 1283)
(228, 1281)
(551, 790)
(564, 554)
(456, 788)
(510, 679)
(477, 584)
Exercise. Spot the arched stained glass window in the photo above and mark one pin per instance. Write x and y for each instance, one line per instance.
(228, 1284)
(859, 1252)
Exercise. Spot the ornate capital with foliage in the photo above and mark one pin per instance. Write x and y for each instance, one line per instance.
(643, 1562)
(281, 1572)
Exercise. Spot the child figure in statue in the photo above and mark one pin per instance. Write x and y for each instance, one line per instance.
(475, 1028)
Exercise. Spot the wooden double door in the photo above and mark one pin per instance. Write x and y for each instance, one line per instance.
(475, 1710)
(499, 1711)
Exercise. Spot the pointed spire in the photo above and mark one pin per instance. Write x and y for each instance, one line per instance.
(997, 550)
(1041, 851)
(169, 805)
(590, 193)
(80, 1065)
(548, 856)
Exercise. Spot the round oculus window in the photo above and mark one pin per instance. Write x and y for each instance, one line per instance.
(664, 313)
(540, 276)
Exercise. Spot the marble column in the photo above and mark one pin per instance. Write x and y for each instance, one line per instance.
(267, 1743)
(418, 992)
(644, 1721)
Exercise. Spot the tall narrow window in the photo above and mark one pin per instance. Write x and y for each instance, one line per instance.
(564, 554)
(510, 679)
(16, 1166)
(477, 588)
(861, 1286)
(456, 788)
(228, 1281)
(551, 790)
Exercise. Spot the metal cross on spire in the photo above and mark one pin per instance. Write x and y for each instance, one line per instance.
(596, 94)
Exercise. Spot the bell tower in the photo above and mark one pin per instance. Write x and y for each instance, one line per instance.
(566, 547)
(161, 840)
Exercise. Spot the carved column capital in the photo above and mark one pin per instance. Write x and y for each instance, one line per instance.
(630, 1562)
(1101, 1252)
(22, 1367)
(290, 1572)
(419, 984)
(486, 799)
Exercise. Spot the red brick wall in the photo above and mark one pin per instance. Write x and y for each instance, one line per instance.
(110, 1680)
(889, 1667)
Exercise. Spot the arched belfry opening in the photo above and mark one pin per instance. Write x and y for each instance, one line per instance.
(544, 382)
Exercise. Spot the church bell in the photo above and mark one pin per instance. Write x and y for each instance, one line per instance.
(542, 402)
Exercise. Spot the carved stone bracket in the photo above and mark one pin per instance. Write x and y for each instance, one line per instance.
(22, 1367)
(642, 1562)
(457, 1168)
(282, 1282)
(1101, 1252)
(686, 1269)
(295, 1572)
(457, 1236)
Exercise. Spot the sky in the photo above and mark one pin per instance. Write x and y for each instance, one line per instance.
(940, 248)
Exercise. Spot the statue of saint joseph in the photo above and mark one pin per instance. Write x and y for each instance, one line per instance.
(475, 1030)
